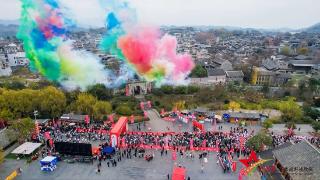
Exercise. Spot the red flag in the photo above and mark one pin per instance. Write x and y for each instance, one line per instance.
(87, 119)
(174, 155)
(37, 128)
(234, 166)
(242, 141)
(111, 118)
(162, 111)
(204, 143)
(214, 124)
(51, 142)
(47, 135)
(127, 91)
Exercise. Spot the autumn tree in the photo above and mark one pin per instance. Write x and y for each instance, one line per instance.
(6, 115)
(124, 109)
(303, 51)
(234, 106)
(84, 104)
(52, 101)
(291, 111)
(254, 76)
(180, 105)
(1, 155)
(101, 109)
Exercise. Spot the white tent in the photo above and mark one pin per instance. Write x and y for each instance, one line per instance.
(26, 148)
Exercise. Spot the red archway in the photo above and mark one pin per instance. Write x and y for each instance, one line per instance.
(120, 127)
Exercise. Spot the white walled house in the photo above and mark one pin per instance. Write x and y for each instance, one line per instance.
(17, 59)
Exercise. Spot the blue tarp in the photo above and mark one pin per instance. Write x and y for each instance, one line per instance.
(108, 150)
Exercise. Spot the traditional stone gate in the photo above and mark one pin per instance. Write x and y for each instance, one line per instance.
(138, 88)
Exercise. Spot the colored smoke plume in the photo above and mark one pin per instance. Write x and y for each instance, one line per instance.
(141, 49)
(43, 32)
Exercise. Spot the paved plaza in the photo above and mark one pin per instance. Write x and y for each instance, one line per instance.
(135, 169)
(138, 168)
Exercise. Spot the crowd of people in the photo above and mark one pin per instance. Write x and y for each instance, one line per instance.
(186, 140)
(278, 140)
(76, 133)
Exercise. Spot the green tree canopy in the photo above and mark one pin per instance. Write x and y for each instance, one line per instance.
(303, 50)
(101, 109)
(124, 109)
(84, 104)
(23, 127)
(267, 124)
(1, 155)
(100, 92)
(52, 102)
(198, 71)
(256, 142)
(285, 50)
(316, 126)
(291, 111)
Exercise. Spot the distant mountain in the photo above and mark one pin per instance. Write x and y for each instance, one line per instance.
(313, 29)
(8, 30)
(9, 22)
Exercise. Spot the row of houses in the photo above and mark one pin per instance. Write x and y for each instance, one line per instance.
(299, 65)
(218, 76)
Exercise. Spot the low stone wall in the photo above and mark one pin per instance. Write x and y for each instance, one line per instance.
(6, 137)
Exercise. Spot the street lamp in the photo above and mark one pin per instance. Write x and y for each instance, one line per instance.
(35, 113)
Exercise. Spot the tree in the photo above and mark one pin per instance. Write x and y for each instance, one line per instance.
(84, 104)
(181, 90)
(311, 112)
(256, 142)
(285, 50)
(253, 96)
(192, 89)
(1, 155)
(254, 76)
(291, 111)
(167, 89)
(6, 115)
(290, 125)
(198, 72)
(234, 106)
(101, 108)
(21, 103)
(124, 109)
(314, 85)
(100, 92)
(303, 51)
(180, 105)
(267, 124)
(316, 102)
(14, 85)
(316, 126)
(23, 127)
(52, 102)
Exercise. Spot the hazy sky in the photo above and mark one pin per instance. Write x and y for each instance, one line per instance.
(243, 13)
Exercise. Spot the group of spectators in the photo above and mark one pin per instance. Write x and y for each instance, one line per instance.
(278, 140)
(76, 133)
(219, 140)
